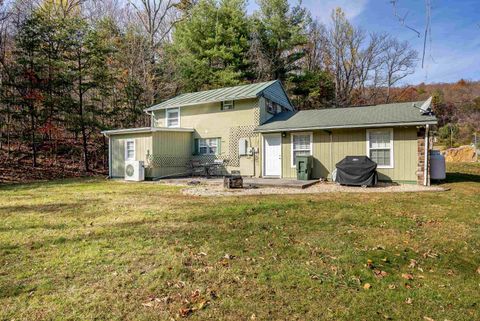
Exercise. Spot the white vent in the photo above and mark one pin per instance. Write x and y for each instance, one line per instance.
(134, 171)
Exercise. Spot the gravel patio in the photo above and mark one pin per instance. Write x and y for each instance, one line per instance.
(214, 187)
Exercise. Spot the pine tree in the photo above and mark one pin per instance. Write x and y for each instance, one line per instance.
(280, 36)
(210, 47)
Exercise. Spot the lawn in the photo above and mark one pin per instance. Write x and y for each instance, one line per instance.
(93, 249)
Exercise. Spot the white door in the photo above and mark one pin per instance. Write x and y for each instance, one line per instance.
(272, 152)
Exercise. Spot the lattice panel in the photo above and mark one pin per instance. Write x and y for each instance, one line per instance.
(235, 134)
(256, 115)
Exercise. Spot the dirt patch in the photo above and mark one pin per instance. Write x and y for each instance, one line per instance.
(212, 188)
(461, 154)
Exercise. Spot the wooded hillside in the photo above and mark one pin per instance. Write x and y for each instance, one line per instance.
(71, 68)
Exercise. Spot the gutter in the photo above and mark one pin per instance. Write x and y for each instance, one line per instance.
(433, 122)
(145, 130)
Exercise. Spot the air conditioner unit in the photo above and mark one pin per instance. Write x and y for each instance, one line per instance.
(134, 171)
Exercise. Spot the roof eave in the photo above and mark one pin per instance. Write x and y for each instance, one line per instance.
(419, 123)
(144, 130)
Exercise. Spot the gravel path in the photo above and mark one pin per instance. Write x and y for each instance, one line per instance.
(215, 188)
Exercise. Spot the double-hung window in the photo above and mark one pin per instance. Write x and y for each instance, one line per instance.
(130, 149)
(380, 147)
(172, 117)
(301, 145)
(208, 146)
(227, 105)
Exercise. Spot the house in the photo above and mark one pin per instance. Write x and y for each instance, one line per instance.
(256, 131)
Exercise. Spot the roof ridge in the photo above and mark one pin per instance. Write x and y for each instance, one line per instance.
(230, 87)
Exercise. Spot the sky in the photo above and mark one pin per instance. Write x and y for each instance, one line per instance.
(453, 49)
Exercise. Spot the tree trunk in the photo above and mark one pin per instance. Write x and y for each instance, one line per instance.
(32, 128)
(82, 120)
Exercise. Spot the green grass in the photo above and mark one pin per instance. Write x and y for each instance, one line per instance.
(92, 249)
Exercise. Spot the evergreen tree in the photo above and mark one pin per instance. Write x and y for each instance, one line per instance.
(280, 36)
(210, 47)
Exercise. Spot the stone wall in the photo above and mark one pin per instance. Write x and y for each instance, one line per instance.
(420, 155)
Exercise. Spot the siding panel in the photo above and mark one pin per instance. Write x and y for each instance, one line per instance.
(353, 142)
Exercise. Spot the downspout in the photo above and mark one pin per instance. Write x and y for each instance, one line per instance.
(426, 181)
(110, 170)
(331, 154)
(109, 155)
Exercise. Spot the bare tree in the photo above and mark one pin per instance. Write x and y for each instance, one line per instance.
(399, 61)
(157, 17)
(345, 45)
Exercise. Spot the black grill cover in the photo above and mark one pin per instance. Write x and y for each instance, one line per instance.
(357, 170)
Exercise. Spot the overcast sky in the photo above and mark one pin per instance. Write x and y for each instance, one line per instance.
(454, 52)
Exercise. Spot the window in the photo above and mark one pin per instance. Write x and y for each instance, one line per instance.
(380, 147)
(208, 146)
(271, 107)
(130, 149)
(301, 145)
(243, 147)
(172, 116)
(227, 104)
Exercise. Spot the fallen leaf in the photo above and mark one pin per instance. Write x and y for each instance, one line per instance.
(367, 286)
(428, 319)
(202, 305)
(408, 301)
(370, 264)
(407, 276)
(380, 274)
(413, 264)
(478, 270)
(392, 286)
(185, 311)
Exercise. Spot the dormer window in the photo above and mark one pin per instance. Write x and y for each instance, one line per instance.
(271, 107)
(172, 117)
(227, 104)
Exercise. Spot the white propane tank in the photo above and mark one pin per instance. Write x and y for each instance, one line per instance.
(437, 165)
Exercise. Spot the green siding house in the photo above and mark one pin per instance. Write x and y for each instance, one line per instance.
(256, 131)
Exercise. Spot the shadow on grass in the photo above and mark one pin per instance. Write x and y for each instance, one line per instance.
(50, 183)
(456, 177)
(56, 208)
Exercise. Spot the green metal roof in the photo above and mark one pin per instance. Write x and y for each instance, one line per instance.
(399, 114)
(216, 95)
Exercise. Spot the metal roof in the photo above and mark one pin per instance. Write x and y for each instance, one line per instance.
(398, 114)
(215, 95)
(144, 130)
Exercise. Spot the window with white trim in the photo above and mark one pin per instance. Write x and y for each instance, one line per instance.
(208, 146)
(227, 104)
(301, 145)
(130, 149)
(172, 117)
(380, 147)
